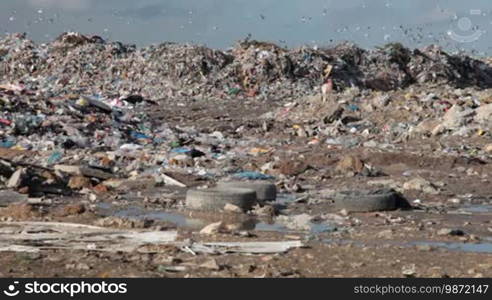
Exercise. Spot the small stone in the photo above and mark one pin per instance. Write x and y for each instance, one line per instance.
(16, 179)
(20, 211)
(409, 270)
(231, 227)
(386, 234)
(79, 266)
(444, 231)
(350, 163)
(211, 265)
(245, 234)
(344, 212)
(454, 200)
(474, 238)
(79, 182)
(171, 269)
(73, 209)
(484, 113)
(265, 211)
(213, 228)
(424, 248)
(233, 208)
(420, 184)
(452, 232)
(100, 189)
(488, 148)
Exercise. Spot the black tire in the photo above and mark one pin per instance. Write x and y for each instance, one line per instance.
(265, 191)
(366, 201)
(216, 198)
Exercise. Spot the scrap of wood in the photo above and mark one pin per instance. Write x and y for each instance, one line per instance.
(16, 236)
(36, 236)
(18, 248)
(246, 247)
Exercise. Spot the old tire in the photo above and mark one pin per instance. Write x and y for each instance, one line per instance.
(366, 201)
(216, 198)
(265, 191)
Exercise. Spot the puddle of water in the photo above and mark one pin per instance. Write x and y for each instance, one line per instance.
(284, 199)
(317, 228)
(107, 209)
(483, 247)
(271, 227)
(463, 247)
(482, 208)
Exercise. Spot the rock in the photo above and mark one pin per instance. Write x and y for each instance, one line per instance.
(370, 144)
(350, 163)
(488, 148)
(452, 232)
(424, 248)
(20, 211)
(484, 113)
(115, 183)
(292, 167)
(78, 266)
(420, 184)
(100, 189)
(171, 269)
(181, 160)
(79, 182)
(265, 211)
(426, 126)
(16, 179)
(233, 208)
(211, 265)
(385, 234)
(72, 209)
(409, 270)
(456, 117)
(213, 228)
(334, 114)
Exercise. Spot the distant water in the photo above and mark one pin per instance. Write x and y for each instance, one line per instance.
(454, 24)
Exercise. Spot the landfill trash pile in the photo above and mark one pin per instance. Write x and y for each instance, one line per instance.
(259, 161)
(75, 63)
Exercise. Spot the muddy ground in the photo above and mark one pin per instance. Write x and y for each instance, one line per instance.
(447, 233)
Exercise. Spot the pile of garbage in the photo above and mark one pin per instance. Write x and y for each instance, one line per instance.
(75, 63)
(77, 112)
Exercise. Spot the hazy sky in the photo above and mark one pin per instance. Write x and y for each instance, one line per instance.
(219, 23)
